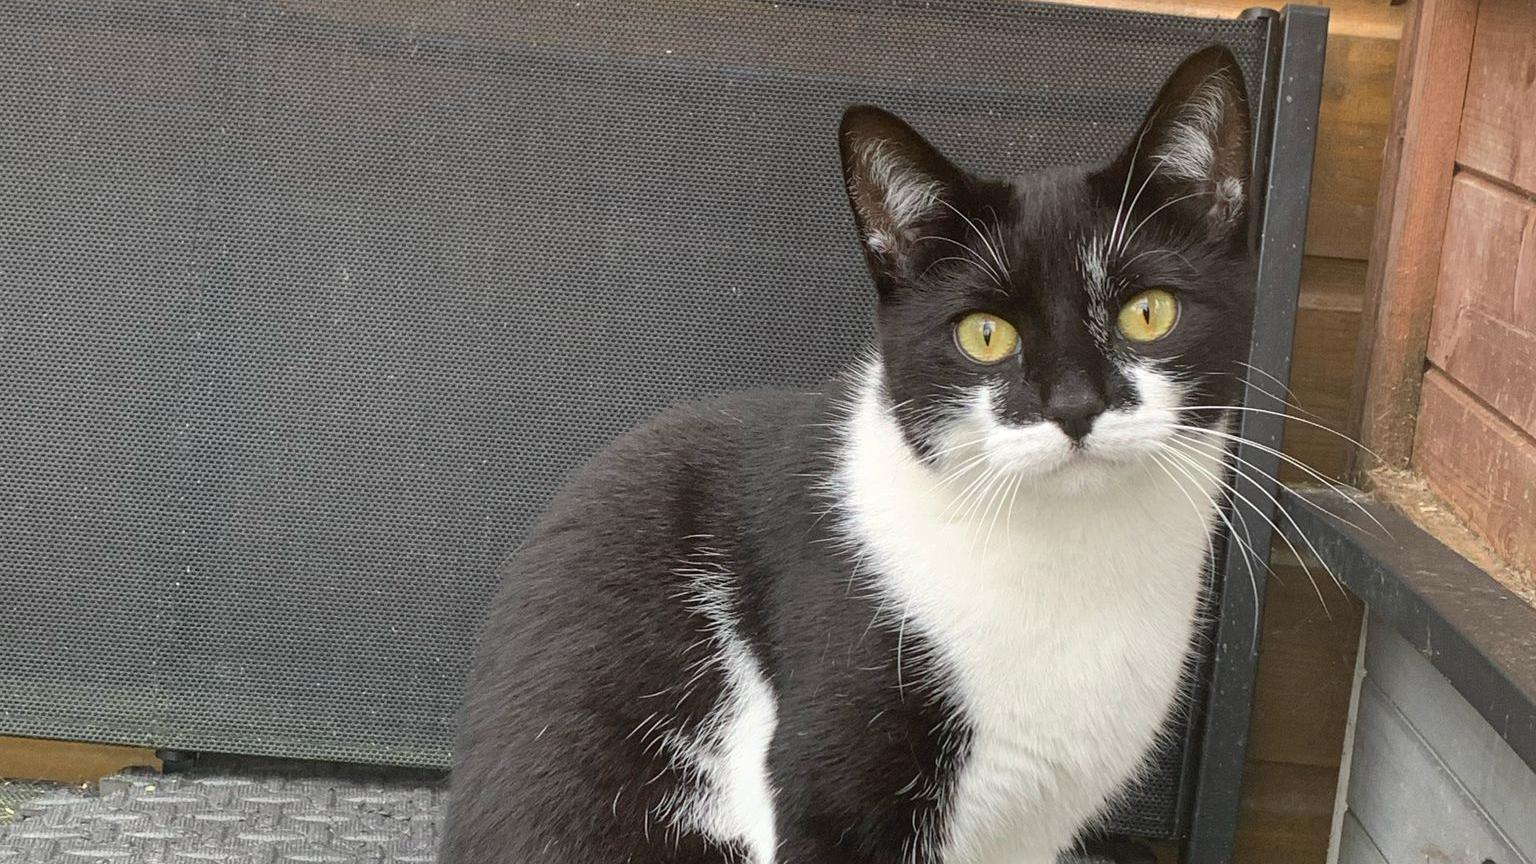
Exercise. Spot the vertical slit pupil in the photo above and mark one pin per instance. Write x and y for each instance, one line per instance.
(986, 333)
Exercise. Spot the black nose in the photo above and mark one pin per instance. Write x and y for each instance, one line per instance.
(1074, 408)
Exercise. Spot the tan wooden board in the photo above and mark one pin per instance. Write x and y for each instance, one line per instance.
(1306, 668)
(1286, 814)
(68, 761)
(1322, 359)
(1352, 125)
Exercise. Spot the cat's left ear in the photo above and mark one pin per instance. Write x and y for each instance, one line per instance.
(1195, 143)
(896, 183)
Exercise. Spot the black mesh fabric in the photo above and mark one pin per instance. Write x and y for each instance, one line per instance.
(308, 308)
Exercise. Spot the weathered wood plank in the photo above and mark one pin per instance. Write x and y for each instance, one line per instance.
(1356, 845)
(1498, 135)
(1495, 361)
(1306, 670)
(1482, 334)
(1481, 464)
(68, 761)
(1327, 330)
(1484, 231)
(1490, 772)
(1405, 248)
(1341, 793)
(1284, 818)
(1412, 807)
(1352, 123)
(1409, 493)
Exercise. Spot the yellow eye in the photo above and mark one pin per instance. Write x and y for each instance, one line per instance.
(1149, 315)
(986, 338)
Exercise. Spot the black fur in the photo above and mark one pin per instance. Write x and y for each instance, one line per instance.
(590, 653)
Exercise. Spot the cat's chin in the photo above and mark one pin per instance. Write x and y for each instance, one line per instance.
(1086, 471)
(1075, 470)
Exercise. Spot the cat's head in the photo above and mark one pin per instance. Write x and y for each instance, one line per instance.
(1069, 323)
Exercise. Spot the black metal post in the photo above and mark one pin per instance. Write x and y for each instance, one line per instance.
(1288, 119)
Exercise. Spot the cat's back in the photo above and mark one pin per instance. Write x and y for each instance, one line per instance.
(616, 639)
(687, 478)
(688, 467)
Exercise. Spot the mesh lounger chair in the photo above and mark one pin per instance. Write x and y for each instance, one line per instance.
(307, 308)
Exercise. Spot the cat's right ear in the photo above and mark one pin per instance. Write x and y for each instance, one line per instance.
(896, 183)
(1194, 146)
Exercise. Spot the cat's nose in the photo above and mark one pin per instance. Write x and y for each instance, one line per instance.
(1074, 409)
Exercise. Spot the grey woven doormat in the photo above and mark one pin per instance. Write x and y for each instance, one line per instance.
(230, 818)
(14, 792)
(326, 816)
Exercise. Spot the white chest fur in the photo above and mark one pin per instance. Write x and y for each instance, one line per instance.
(1060, 624)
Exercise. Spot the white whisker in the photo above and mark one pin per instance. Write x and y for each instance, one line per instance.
(1247, 559)
(1334, 432)
(1278, 530)
(1150, 174)
(982, 262)
(1190, 439)
(1130, 172)
(1132, 236)
(1333, 485)
(979, 233)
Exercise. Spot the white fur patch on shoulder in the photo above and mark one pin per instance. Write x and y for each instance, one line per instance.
(727, 796)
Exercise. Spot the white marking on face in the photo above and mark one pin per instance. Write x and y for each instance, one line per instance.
(1042, 451)
(1136, 431)
(1093, 262)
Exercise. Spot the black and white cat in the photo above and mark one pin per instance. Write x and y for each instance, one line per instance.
(936, 614)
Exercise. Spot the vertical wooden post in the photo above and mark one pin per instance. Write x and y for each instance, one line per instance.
(1411, 208)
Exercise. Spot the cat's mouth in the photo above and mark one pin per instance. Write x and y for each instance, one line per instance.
(1042, 451)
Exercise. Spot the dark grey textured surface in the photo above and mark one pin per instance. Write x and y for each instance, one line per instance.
(310, 307)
